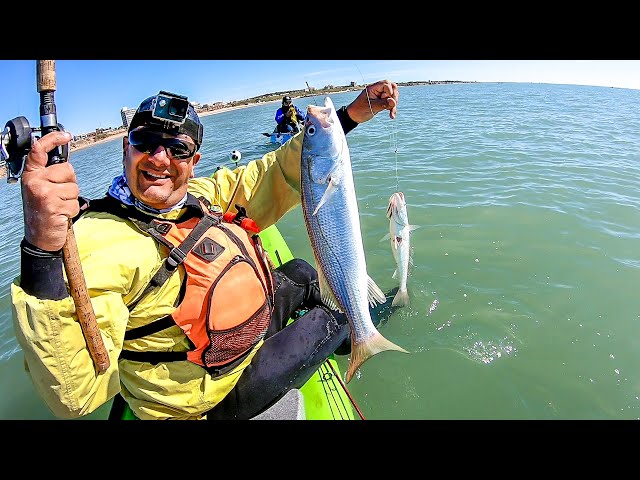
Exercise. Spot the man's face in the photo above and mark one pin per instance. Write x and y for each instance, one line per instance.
(158, 178)
(286, 105)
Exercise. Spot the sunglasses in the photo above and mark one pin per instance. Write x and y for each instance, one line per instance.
(147, 141)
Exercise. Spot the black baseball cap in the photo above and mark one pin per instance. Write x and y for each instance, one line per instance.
(286, 99)
(191, 125)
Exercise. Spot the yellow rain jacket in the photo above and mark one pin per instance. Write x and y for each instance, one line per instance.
(118, 262)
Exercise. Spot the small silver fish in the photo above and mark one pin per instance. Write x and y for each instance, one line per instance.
(330, 211)
(399, 230)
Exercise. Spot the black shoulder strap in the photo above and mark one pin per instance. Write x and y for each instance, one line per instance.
(153, 227)
(177, 254)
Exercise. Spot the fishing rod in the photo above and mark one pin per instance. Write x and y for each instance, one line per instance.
(15, 143)
(344, 387)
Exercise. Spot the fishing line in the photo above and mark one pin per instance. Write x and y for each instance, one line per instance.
(392, 132)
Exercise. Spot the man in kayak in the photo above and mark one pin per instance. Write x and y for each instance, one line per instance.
(288, 116)
(170, 358)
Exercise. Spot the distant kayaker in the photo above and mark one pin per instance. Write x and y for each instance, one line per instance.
(288, 116)
(170, 358)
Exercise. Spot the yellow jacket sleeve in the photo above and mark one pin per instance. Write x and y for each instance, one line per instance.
(268, 187)
(117, 263)
(56, 353)
(57, 357)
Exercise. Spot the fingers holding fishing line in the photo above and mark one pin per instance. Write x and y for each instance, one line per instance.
(384, 95)
(49, 194)
(379, 96)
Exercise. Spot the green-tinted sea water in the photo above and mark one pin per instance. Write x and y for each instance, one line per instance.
(527, 197)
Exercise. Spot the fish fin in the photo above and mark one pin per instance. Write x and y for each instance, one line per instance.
(413, 227)
(331, 188)
(401, 299)
(361, 352)
(326, 295)
(374, 294)
(386, 237)
(395, 273)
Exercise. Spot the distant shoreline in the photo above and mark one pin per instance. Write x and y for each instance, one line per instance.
(252, 102)
(75, 146)
(119, 133)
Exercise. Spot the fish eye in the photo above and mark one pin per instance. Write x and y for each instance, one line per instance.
(311, 130)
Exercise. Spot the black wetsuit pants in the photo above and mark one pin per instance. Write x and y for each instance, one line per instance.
(291, 353)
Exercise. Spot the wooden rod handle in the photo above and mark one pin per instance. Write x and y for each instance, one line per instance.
(84, 309)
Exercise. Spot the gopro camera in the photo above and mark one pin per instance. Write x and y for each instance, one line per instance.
(170, 107)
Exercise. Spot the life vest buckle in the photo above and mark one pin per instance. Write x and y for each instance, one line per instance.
(175, 258)
(161, 228)
(240, 218)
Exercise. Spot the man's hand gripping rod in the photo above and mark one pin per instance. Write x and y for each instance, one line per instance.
(15, 142)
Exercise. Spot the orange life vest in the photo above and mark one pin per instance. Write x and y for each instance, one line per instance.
(227, 298)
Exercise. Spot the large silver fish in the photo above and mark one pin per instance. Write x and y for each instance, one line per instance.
(399, 230)
(331, 216)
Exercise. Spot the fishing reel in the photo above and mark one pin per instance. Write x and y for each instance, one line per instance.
(15, 143)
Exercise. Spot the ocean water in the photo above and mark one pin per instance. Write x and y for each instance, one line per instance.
(526, 262)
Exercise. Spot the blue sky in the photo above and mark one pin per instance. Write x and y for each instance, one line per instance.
(90, 93)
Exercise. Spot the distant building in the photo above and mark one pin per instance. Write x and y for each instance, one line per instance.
(127, 115)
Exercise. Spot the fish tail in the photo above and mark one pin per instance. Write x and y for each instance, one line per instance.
(362, 351)
(401, 299)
